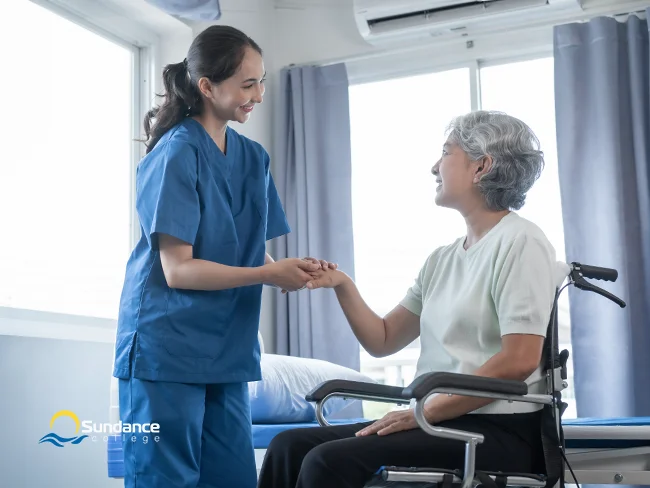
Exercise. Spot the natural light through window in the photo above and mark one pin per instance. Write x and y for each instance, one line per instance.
(394, 146)
(65, 164)
(396, 222)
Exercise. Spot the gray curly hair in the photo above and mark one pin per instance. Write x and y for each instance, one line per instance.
(517, 160)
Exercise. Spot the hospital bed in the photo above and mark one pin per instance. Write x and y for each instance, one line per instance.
(582, 451)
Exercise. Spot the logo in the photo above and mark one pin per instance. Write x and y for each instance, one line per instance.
(136, 432)
(59, 441)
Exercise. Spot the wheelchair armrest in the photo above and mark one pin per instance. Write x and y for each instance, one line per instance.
(358, 389)
(423, 385)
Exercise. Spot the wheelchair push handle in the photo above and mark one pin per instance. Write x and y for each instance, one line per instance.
(595, 272)
(581, 271)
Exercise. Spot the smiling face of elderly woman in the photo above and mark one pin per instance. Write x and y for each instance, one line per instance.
(489, 159)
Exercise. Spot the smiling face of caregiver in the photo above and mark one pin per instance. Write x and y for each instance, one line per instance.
(236, 97)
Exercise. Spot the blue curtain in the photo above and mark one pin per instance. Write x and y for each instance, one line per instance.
(312, 170)
(197, 10)
(602, 91)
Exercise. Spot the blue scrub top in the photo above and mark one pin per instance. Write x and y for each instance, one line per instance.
(226, 207)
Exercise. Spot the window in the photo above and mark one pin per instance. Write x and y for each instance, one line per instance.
(396, 222)
(393, 197)
(65, 171)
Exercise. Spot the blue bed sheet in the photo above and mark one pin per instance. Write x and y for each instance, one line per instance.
(599, 443)
(610, 422)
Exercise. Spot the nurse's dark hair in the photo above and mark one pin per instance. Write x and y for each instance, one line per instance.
(216, 54)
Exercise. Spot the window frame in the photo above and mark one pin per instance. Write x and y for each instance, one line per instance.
(144, 45)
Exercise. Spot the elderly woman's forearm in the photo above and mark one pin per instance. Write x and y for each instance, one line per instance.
(368, 327)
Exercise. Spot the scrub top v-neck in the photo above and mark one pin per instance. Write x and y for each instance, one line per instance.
(226, 206)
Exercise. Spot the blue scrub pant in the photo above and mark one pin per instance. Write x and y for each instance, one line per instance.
(204, 439)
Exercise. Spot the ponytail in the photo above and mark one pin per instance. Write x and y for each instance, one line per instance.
(181, 99)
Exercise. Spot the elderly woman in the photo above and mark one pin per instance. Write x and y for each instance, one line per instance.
(480, 305)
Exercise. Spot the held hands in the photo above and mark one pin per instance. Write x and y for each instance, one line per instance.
(326, 269)
(294, 274)
(289, 274)
(326, 277)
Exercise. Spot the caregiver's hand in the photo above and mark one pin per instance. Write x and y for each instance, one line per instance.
(326, 278)
(289, 274)
(323, 263)
(391, 422)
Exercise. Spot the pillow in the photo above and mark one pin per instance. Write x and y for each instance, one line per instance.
(280, 396)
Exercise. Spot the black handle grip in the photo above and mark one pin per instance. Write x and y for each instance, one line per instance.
(596, 272)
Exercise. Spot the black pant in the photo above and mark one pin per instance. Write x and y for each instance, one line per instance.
(327, 457)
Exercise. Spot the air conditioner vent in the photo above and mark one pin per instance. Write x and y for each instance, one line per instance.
(385, 22)
(466, 6)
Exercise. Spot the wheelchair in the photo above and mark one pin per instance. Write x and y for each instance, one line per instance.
(551, 428)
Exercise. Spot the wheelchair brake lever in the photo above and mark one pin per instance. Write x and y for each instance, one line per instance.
(583, 284)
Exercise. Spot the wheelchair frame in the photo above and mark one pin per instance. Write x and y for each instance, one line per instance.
(430, 384)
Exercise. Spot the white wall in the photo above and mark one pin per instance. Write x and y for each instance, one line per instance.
(173, 48)
(317, 33)
(40, 377)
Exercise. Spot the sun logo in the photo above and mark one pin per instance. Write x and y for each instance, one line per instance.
(57, 440)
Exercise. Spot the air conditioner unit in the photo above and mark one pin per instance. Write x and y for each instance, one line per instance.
(385, 22)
